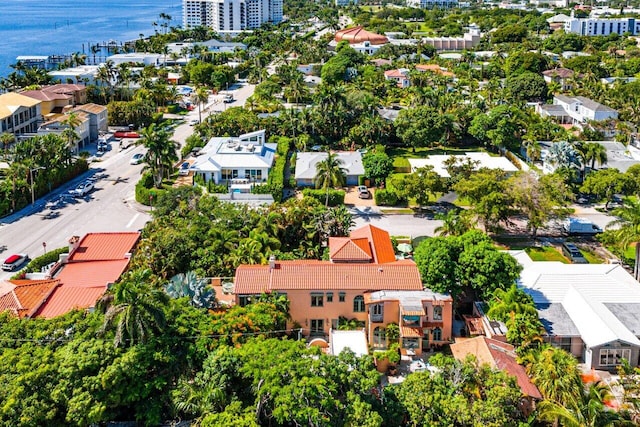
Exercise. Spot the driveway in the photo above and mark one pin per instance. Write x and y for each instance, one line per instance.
(351, 197)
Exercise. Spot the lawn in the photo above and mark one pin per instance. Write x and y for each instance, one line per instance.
(591, 257)
(546, 253)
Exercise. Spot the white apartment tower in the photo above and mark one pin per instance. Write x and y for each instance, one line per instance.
(602, 26)
(230, 15)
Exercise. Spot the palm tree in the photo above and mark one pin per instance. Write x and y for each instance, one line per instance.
(6, 139)
(454, 223)
(161, 152)
(330, 174)
(201, 96)
(511, 301)
(628, 221)
(135, 308)
(555, 372)
(590, 410)
(594, 152)
(71, 123)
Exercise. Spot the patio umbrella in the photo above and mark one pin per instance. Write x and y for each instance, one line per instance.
(405, 248)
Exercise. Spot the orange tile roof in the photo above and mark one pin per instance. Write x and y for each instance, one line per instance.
(24, 297)
(43, 95)
(408, 332)
(91, 274)
(496, 354)
(435, 68)
(104, 246)
(318, 275)
(65, 299)
(381, 246)
(346, 249)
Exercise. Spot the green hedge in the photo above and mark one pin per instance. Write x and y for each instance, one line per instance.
(336, 197)
(276, 182)
(145, 191)
(36, 264)
(386, 198)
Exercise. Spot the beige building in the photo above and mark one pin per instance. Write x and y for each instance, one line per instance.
(362, 281)
(19, 114)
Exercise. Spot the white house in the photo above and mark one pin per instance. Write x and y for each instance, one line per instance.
(576, 110)
(83, 130)
(590, 310)
(82, 73)
(306, 166)
(98, 119)
(602, 26)
(238, 161)
(137, 58)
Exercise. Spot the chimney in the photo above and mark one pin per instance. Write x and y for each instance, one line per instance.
(73, 243)
(63, 258)
(272, 262)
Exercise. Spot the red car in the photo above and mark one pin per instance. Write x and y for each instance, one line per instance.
(14, 262)
(126, 134)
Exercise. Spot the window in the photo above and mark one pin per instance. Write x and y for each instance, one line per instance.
(317, 326)
(358, 304)
(329, 296)
(437, 313)
(379, 337)
(376, 312)
(341, 296)
(316, 300)
(614, 356)
(244, 300)
(437, 334)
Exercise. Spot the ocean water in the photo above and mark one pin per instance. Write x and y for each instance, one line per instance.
(59, 27)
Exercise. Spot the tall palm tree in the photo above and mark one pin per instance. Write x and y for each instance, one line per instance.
(594, 152)
(330, 173)
(71, 123)
(628, 232)
(161, 152)
(6, 139)
(135, 309)
(201, 97)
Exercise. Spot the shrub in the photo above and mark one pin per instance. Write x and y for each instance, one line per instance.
(386, 198)
(145, 191)
(336, 197)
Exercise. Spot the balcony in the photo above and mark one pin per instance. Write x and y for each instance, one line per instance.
(376, 318)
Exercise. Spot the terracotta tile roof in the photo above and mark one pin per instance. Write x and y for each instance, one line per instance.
(91, 274)
(408, 332)
(395, 73)
(435, 68)
(65, 299)
(323, 275)
(498, 355)
(64, 88)
(104, 246)
(381, 246)
(24, 297)
(563, 73)
(359, 35)
(43, 95)
(346, 249)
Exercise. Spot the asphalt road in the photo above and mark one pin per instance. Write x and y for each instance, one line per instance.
(109, 207)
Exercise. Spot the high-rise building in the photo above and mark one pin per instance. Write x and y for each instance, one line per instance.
(230, 15)
(602, 26)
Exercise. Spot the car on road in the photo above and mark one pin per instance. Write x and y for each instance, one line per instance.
(363, 192)
(14, 262)
(194, 122)
(184, 169)
(82, 189)
(228, 98)
(136, 159)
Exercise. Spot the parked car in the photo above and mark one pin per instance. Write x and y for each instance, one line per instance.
(14, 262)
(136, 159)
(572, 252)
(363, 192)
(194, 122)
(184, 169)
(228, 98)
(82, 189)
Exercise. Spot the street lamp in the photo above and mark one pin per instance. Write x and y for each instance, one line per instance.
(33, 197)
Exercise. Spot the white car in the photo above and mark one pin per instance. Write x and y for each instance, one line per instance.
(194, 122)
(82, 189)
(136, 159)
(14, 262)
(184, 169)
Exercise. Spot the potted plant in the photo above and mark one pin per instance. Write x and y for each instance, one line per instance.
(387, 360)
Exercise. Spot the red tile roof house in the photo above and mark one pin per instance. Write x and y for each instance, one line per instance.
(499, 355)
(92, 265)
(352, 284)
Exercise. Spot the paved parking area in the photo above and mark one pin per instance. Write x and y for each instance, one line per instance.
(351, 197)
